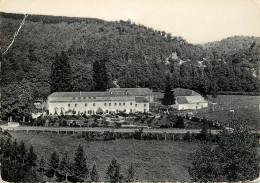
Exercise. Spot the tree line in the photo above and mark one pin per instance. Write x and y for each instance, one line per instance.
(20, 164)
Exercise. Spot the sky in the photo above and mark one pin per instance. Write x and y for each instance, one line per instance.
(197, 21)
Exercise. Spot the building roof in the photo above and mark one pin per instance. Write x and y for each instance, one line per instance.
(90, 96)
(134, 91)
(184, 92)
(190, 99)
(141, 100)
(159, 95)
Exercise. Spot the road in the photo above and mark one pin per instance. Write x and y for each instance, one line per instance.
(119, 130)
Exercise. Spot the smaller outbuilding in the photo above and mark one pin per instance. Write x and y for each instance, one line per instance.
(188, 99)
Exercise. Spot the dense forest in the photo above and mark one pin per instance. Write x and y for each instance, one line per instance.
(134, 56)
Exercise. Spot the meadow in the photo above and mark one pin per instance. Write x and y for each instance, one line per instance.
(243, 106)
(153, 160)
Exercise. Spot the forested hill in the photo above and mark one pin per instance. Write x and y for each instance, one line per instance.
(136, 56)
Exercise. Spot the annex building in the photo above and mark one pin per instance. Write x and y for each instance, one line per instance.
(128, 100)
(188, 99)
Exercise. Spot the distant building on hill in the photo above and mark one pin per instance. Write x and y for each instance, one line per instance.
(188, 99)
(125, 100)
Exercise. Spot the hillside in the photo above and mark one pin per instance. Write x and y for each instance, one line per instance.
(135, 56)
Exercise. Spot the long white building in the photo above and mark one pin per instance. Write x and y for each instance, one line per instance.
(88, 103)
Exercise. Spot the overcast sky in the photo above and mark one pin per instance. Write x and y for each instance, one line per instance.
(197, 21)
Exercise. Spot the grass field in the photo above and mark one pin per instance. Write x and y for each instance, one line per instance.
(152, 160)
(243, 106)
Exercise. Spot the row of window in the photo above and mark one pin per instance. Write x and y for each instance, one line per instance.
(109, 104)
(84, 97)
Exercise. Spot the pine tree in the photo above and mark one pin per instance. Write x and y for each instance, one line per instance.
(65, 168)
(14, 151)
(22, 152)
(113, 171)
(94, 174)
(7, 148)
(61, 74)
(31, 158)
(80, 168)
(100, 75)
(53, 165)
(2, 144)
(130, 174)
(168, 98)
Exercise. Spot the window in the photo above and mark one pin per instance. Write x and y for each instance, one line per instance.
(144, 110)
(75, 105)
(135, 105)
(117, 110)
(115, 104)
(109, 104)
(86, 104)
(106, 111)
(124, 110)
(131, 103)
(94, 97)
(94, 104)
(79, 97)
(105, 104)
(123, 103)
(144, 105)
(89, 97)
(84, 97)
(68, 105)
(119, 103)
(74, 97)
(131, 110)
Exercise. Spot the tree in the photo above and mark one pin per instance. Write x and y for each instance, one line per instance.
(80, 168)
(53, 165)
(17, 100)
(61, 75)
(94, 174)
(31, 158)
(65, 168)
(113, 171)
(22, 152)
(100, 75)
(235, 158)
(168, 98)
(130, 174)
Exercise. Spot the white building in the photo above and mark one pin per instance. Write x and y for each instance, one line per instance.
(95, 102)
(188, 99)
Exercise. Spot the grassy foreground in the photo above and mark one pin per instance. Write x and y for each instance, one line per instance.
(152, 160)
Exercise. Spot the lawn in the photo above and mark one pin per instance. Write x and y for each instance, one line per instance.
(152, 160)
(244, 106)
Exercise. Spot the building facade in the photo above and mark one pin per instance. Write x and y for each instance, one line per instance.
(188, 99)
(89, 103)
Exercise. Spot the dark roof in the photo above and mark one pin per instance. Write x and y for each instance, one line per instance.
(159, 95)
(141, 100)
(184, 92)
(134, 91)
(182, 100)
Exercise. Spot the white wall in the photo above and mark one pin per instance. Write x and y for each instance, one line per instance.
(192, 106)
(90, 106)
(141, 107)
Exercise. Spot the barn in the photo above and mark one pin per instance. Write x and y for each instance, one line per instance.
(188, 99)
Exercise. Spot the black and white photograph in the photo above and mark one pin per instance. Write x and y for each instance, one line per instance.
(130, 91)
